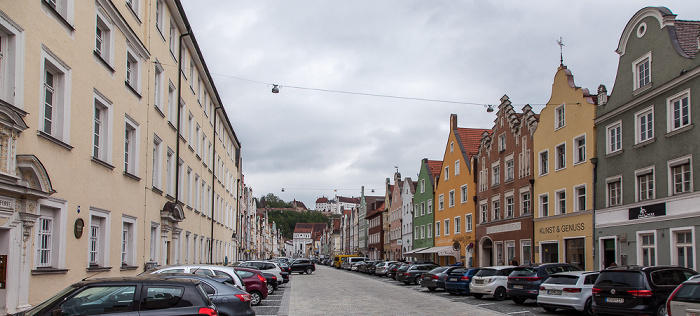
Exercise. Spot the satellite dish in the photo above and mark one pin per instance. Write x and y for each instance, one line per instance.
(456, 246)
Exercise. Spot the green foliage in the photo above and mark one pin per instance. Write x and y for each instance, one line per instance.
(271, 200)
(286, 220)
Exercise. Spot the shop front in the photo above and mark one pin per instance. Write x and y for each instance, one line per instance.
(504, 244)
(565, 238)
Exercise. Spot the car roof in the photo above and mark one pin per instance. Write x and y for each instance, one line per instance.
(135, 279)
(575, 273)
(635, 268)
(499, 267)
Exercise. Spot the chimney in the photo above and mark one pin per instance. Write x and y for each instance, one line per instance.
(602, 95)
(453, 121)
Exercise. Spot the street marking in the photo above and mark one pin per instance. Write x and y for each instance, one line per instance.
(484, 304)
(511, 313)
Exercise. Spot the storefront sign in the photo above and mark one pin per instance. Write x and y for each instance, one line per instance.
(503, 228)
(647, 211)
(563, 228)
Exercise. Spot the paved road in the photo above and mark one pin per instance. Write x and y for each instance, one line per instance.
(329, 291)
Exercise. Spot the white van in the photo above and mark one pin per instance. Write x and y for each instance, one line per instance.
(347, 262)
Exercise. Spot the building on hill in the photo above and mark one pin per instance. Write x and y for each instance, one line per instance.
(337, 204)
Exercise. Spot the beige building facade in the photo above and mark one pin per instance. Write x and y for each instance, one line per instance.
(95, 177)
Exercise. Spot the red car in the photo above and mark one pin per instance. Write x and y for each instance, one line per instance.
(255, 284)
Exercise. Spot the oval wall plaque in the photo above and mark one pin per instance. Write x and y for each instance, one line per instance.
(78, 229)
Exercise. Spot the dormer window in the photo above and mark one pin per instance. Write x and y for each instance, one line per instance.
(642, 71)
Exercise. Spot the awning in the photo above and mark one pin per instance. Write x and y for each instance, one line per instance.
(414, 251)
(441, 251)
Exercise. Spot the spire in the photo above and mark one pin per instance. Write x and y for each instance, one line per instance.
(561, 51)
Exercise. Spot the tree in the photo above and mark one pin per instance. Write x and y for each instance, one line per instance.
(273, 201)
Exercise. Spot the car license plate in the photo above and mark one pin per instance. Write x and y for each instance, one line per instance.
(614, 300)
(518, 287)
(453, 279)
(554, 292)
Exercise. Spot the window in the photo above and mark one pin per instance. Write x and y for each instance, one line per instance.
(11, 46)
(172, 38)
(189, 186)
(525, 203)
(44, 227)
(104, 42)
(159, 16)
(172, 105)
(458, 225)
(484, 213)
(170, 172)
(580, 149)
(642, 71)
(496, 174)
(680, 174)
(441, 202)
(561, 156)
(496, 210)
(645, 184)
(133, 70)
(456, 167)
(447, 227)
(679, 111)
(430, 230)
(644, 122)
(452, 147)
(198, 143)
(510, 206)
(544, 162)
(647, 248)
(197, 194)
(684, 252)
(464, 196)
(422, 185)
(559, 117)
(134, 6)
(190, 130)
(580, 192)
(157, 158)
(128, 248)
(50, 238)
(502, 142)
(191, 75)
(544, 205)
(452, 198)
(181, 125)
(510, 170)
(447, 173)
(526, 251)
(430, 206)
(62, 8)
(422, 231)
(422, 209)
(614, 139)
(101, 128)
(561, 202)
(437, 229)
(468, 223)
(131, 139)
(158, 87)
(98, 249)
(614, 191)
(56, 101)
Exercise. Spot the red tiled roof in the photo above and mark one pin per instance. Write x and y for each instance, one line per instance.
(322, 200)
(471, 138)
(687, 33)
(349, 200)
(434, 166)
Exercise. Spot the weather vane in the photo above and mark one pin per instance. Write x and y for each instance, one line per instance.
(561, 51)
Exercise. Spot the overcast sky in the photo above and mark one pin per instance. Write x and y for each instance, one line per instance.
(322, 132)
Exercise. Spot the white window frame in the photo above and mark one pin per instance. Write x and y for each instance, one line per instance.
(135, 7)
(446, 227)
(644, 125)
(12, 63)
(64, 8)
(457, 167)
(560, 117)
(447, 173)
(671, 116)
(133, 69)
(101, 219)
(543, 162)
(579, 152)
(155, 242)
(170, 170)
(437, 229)
(422, 185)
(543, 204)
(157, 174)
(640, 246)
(496, 208)
(577, 198)
(608, 182)
(510, 205)
(55, 210)
(483, 212)
(674, 244)
(678, 162)
(441, 202)
(132, 146)
(464, 194)
(502, 142)
(429, 229)
(496, 173)
(61, 101)
(560, 158)
(510, 170)
(422, 208)
(172, 39)
(172, 104)
(560, 201)
(635, 71)
(525, 203)
(105, 49)
(458, 225)
(613, 130)
(158, 81)
(468, 223)
(422, 231)
(644, 173)
(128, 246)
(102, 128)
(452, 147)
(452, 198)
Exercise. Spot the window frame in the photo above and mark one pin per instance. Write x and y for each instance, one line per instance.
(560, 116)
(128, 246)
(637, 76)
(451, 198)
(441, 202)
(464, 193)
(648, 193)
(543, 162)
(671, 117)
(680, 162)
(674, 245)
(640, 247)
(560, 203)
(579, 151)
(101, 219)
(613, 130)
(578, 196)
(61, 101)
(468, 223)
(560, 160)
(56, 210)
(102, 128)
(446, 227)
(608, 193)
(133, 69)
(106, 51)
(131, 147)
(457, 225)
(543, 201)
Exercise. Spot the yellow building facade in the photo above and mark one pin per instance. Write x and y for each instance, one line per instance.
(454, 204)
(564, 144)
(95, 176)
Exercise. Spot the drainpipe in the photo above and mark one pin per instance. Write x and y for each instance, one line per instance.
(594, 161)
(177, 124)
(213, 186)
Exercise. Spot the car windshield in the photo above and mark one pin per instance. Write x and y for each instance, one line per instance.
(438, 270)
(620, 278)
(486, 272)
(59, 296)
(562, 279)
(517, 272)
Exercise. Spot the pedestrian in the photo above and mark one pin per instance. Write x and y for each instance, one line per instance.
(513, 262)
(613, 265)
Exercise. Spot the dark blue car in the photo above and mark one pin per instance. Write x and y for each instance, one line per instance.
(457, 282)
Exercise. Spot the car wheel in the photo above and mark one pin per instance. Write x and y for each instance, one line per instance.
(255, 298)
(417, 280)
(500, 294)
(519, 300)
(550, 309)
(309, 271)
(662, 310)
(588, 308)
(270, 289)
(478, 296)
(432, 289)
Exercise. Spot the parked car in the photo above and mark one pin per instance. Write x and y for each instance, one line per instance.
(414, 273)
(265, 266)
(383, 268)
(400, 270)
(635, 290)
(116, 296)
(286, 271)
(458, 280)
(202, 269)
(393, 270)
(524, 282)
(347, 262)
(229, 300)
(355, 266)
(568, 290)
(272, 283)
(302, 266)
(365, 266)
(491, 281)
(255, 284)
(685, 300)
(435, 278)
(372, 269)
